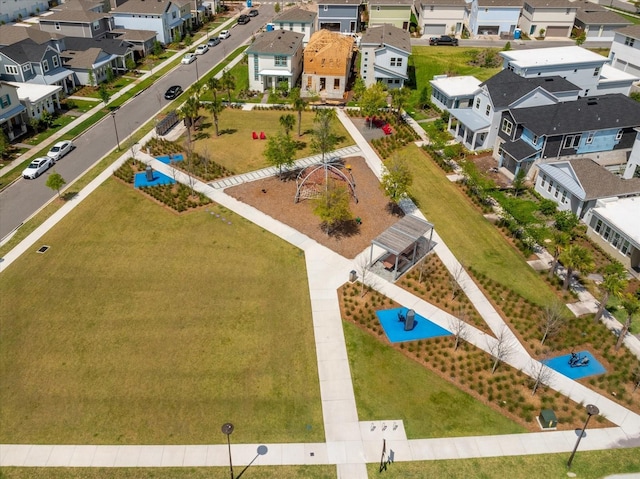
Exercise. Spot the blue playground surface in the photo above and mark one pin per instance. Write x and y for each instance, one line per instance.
(140, 180)
(561, 365)
(394, 329)
(166, 159)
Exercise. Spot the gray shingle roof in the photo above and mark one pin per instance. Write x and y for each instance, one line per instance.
(113, 46)
(632, 31)
(448, 3)
(25, 51)
(390, 2)
(519, 149)
(560, 4)
(584, 114)
(296, 14)
(499, 3)
(74, 16)
(10, 34)
(506, 87)
(387, 35)
(339, 2)
(128, 34)
(592, 14)
(143, 6)
(280, 42)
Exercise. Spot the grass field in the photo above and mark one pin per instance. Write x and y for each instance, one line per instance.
(473, 240)
(236, 127)
(142, 326)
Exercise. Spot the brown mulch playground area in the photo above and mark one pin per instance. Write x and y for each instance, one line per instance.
(275, 197)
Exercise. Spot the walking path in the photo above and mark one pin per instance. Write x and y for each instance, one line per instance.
(350, 443)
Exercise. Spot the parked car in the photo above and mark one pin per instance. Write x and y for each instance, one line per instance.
(253, 12)
(213, 42)
(60, 149)
(173, 92)
(37, 167)
(202, 49)
(188, 58)
(243, 19)
(224, 34)
(444, 40)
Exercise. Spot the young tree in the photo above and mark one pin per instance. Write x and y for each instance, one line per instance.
(156, 49)
(458, 327)
(280, 151)
(359, 87)
(299, 104)
(104, 93)
(518, 182)
(373, 98)
(333, 206)
(55, 181)
(91, 77)
(614, 282)
(539, 373)
(500, 348)
(287, 122)
(552, 320)
(110, 75)
(632, 306)
(454, 280)
(276, 7)
(424, 97)
(396, 178)
(364, 269)
(130, 63)
(560, 242)
(575, 258)
(635, 377)
(399, 98)
(228, 82)
(5, 145)
(324, 139)
(566, 221)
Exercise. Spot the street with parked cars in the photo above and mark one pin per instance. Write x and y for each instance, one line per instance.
(60, 149)
(37, 167)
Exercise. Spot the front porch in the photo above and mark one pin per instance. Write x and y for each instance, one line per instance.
(271, 79)
(469, 128)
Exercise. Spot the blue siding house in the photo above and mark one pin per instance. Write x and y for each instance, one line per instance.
(493, 17)
(342, 16)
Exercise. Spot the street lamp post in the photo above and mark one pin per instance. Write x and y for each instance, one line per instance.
(197, 76)
(227, 429)
(591, 411)
(115, 127)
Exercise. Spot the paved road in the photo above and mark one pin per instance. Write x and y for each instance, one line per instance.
(25, 197)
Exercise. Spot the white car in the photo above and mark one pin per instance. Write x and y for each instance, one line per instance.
(201, 49)
(224, 34)
(37, 167)
(188, 58)
(60, 149)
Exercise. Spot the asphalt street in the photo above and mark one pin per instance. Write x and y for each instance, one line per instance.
(25, 197)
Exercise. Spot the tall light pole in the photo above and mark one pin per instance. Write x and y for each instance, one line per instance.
(591, 411)
(115, 127)
(227, 429)
(197, 76)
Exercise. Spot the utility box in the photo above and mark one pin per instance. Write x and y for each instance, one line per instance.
(149, 172)
(548, 419)
(353, 276)
(410, 321)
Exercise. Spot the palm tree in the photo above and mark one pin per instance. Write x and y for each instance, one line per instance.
(299, 104)
(214, 84)
(575, 258)
(613, 283)
(631, 305)
(399, 98)
(560, 242)
(189, 112)
(287, 122)
(215, 107)
(228, 82)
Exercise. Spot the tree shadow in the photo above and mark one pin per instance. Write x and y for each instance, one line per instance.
(411, 73)
(301, 145)
(69, 195)
(394, 209)
(201, 135)
(228, 131)
(289, 175)
(344, 229)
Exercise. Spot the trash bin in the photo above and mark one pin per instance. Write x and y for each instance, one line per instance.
(516, 34)
(270, 27)
(149, 172)
(353, 276)
(409, 322)
(548, 419)
(249, 4)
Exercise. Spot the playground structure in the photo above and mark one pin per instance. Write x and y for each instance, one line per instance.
(313, 180)
(576, 360)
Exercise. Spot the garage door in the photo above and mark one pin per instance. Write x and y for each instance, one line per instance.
(434, 30)
(488, 29)
(557, 32)
(627, 67)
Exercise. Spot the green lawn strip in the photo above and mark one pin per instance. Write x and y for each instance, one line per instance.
(236, 128)
(157, 328)
(471, 238)
(253, 472)
(586, 465)
(618, 312)
(388, 385)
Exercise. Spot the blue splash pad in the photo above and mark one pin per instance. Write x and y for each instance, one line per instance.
(394, 329)
(561, 365)
(140, 180)
(166, 159)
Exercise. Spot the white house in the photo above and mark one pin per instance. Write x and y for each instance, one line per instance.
(454, 92)
(297, 20)
(556, 17)
(598, 23)
(168, 18)
(441, 17)
(385, 56)
(493, 17)
(18, 9)
(38, 98)
(275, 57)
(391, 12)
(625, 50)
(13, 118)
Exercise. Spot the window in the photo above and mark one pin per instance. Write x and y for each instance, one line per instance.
(478, 102)
(544, 181)
(607, 233)
(11, 69)
(598, 226)
(45, 65)
(555, 193)
(615, 239)
(5, 101)
(590, 138)
(256, 68)
(596, 71)
(56, 63)
(396, 62)
(96, 25)
(550, 186)
(487, 111)
(626, 248)
(26, 68)
(309, 82)
(564, 196)
(280, 61)
(619, 135)
(629, 41)
(173, 15)
(534, 140)
(571, 141)
(336, 83)
(507, 126)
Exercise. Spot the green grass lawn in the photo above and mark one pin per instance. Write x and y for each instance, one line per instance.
(236, 127)
(143, 326)
(471, 238)
(388, 385)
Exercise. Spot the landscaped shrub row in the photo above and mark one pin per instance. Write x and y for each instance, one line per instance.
(402, 133)
(507, 390)
(160, 146)
(177, 196)
(129, 168)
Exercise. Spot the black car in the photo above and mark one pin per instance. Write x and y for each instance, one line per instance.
(243, 19)
(253, 13)
(173, 92)
(213, 42)
(444, 40)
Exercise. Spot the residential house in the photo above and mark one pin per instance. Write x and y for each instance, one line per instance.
(141, 41)
(477, 127)
(391, 12)
(625, 50)
(608, 226)
(74, 22)
(297, 20)
(38, 98)
(170, 19)
(385, 54)
(275, 57)
(576, 185)
(555, 17)
(16, 10)
(28, 61)
(597, 22)
(441, 17)
(600, 128)
(340, 15)
(453, 92)
(493, 17)
(14, 33)
(328, 61)
(13, 117)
